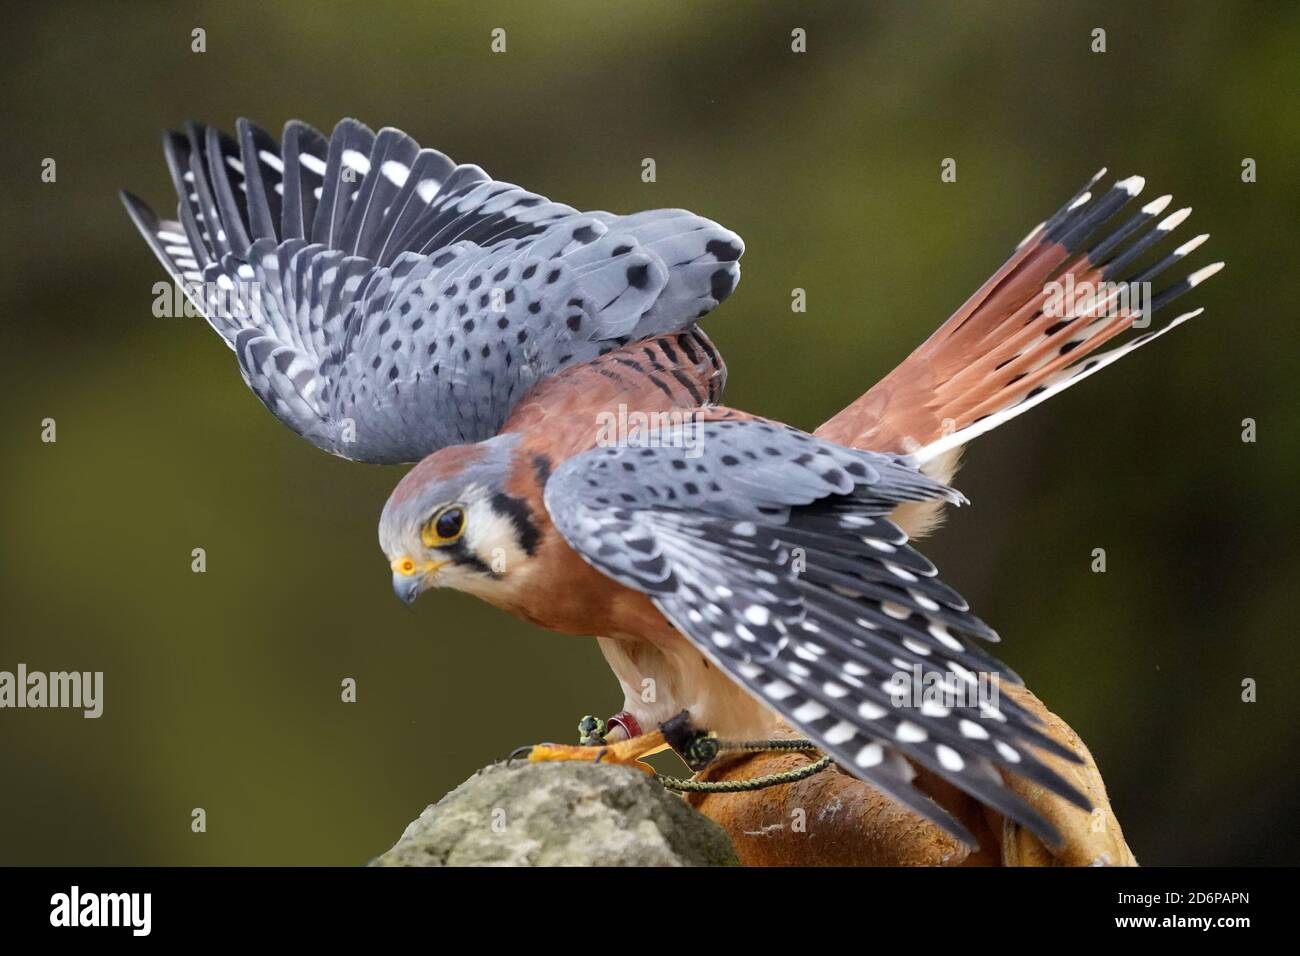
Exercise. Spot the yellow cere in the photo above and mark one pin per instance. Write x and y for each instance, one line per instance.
(407, 566)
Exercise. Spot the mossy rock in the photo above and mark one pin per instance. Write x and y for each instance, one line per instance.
(560, 814)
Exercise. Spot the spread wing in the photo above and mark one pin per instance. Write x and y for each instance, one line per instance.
(770, 550)
(385, 302)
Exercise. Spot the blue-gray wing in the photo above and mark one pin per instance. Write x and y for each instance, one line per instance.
(772, 551)
(385, 302)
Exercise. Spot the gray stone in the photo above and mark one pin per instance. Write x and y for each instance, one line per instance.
(560, 814)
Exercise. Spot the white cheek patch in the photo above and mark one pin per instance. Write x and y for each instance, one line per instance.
(493, 538)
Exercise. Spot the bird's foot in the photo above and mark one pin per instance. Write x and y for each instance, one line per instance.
(625, 752)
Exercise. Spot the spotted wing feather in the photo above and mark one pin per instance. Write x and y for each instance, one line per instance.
(385, 302)
(771, 550)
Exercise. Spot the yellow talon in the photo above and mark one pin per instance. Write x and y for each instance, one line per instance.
(627, 753)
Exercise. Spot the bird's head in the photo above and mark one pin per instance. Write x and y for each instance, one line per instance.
(450, 522)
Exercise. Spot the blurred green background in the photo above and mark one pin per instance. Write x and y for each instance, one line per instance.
(223, 689)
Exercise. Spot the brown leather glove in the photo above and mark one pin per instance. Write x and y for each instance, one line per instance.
(833, 819)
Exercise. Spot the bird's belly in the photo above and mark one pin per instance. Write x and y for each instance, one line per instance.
(661, 672)
(665, 675)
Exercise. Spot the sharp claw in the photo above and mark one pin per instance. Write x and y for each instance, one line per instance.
(519, 752)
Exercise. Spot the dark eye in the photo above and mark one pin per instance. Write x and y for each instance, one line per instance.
(450, 523)
(445, 527)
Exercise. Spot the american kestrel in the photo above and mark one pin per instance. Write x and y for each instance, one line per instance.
(576, 468)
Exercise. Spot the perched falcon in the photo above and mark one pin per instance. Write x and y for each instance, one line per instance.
(390, 305)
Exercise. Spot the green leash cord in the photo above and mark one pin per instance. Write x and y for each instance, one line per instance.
(705, 748)
(742, 786)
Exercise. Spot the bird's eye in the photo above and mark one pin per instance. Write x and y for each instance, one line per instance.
(445, 527)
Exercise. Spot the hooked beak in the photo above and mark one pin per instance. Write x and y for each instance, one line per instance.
(407, 588)
(411, 577)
